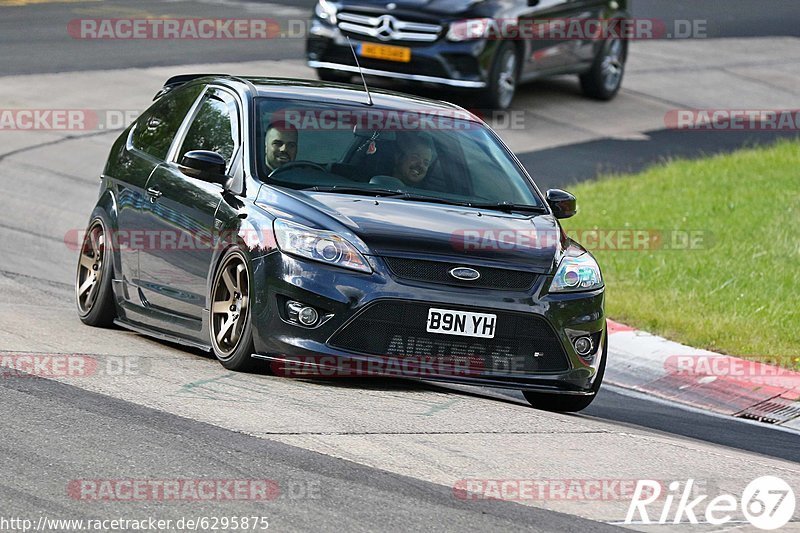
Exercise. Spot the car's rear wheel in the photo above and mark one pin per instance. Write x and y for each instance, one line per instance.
(94, 295)
(564, 403)
(502, 78)
(230, 322)
(326, 74)
(604, 79)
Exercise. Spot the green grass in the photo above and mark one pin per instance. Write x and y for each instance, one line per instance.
(739, 293)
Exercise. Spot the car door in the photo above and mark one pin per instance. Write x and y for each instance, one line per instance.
(541, 22)
(181, 213)
(585, 50)
(146, 147)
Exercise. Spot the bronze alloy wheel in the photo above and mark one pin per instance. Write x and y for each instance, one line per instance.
(89, 279)
(94, 295)
(230, 305)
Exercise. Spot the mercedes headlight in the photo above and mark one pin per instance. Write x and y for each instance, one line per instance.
(318, 245)
(577, 273)
(469, 29)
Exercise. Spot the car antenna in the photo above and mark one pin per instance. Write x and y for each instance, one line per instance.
(363, 80)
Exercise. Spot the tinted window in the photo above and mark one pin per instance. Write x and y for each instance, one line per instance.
(213, 127)
(156, 128)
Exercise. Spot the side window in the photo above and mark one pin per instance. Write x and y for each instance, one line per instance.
(156, 128)
(214, 127)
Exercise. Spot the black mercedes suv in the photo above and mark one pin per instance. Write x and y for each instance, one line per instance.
(488, 46)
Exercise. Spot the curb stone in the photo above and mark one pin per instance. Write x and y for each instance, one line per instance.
(650, 364)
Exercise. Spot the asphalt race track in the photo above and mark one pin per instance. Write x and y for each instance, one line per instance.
(343, 454)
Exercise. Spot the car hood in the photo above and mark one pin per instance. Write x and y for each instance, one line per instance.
(394, 227)
(437, 6)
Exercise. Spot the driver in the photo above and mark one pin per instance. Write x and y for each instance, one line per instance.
(413, 157)
(280, 144)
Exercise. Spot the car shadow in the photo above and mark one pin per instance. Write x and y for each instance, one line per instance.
(371, 383)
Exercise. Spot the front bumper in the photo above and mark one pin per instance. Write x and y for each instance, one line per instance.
(345, 297)
(462, 65)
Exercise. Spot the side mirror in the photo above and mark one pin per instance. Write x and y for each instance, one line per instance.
(563, 204)
(204, 165)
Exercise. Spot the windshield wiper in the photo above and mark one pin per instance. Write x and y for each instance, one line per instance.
(433, 199)
(354, 190)
(386, 193)
(510, 207)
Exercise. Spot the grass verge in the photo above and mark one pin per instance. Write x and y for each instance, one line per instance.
(735, 288)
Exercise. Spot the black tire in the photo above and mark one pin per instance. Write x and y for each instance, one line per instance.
(94, 294)
(503, 78)
(604, 79)
(235, 345)
(333, 76)
(563, 403)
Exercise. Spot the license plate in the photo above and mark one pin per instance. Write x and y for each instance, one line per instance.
(388, 52)
(463, 323)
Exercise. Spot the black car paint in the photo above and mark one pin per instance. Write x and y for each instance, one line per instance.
(166, 294)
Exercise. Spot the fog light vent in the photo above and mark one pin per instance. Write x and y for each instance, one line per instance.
(583, 346)
(301, 313)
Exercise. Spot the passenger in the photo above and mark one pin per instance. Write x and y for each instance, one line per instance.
(413, 158)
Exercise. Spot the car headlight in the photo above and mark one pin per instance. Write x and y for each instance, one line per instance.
(577, 273)
(464, 30)
(318, 245)
(325, 11)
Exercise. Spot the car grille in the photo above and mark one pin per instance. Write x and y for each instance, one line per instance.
(439, 272)
(522, 343)
(388, 27)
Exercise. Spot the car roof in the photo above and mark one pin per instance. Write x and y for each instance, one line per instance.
(318, 91)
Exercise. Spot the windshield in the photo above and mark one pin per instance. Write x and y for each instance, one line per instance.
(417, 156)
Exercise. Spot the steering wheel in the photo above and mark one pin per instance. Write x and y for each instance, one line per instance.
(295, 164)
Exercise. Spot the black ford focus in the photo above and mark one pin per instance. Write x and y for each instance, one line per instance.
(332, 232)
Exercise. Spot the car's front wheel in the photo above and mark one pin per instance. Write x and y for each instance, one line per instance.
(604, 79)
(94, 295)
(564, 403)
(502, 78)
(230, 319)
